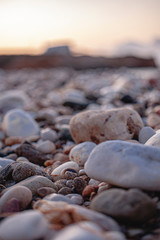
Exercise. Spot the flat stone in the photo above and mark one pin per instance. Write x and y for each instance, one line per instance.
(19, 123)
(80, 152)
(154, 140)
(27, 225)
(98, 126)
(21, 193)
(145, 133)
(132, 205)
(62, 214)
(4, 162)
(56, 173)
(125, 164)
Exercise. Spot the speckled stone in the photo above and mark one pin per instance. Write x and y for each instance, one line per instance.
(99, 126)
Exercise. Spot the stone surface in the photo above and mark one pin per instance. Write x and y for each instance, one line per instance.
(62, 214)
(125, 164)
(113, 235)
(27, 225)
(98, 126)
(4, 162)
(132, 205)
(80, 152)
(56, 173)
(46, 147)
(19, 123)
(145, 133)
(21, 193)
(154, 140)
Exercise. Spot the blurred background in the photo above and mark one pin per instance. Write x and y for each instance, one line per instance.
(86, 27)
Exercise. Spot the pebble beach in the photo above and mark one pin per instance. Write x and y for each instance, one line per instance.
(80, 154)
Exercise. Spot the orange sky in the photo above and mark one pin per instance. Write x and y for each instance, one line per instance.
(92, 26)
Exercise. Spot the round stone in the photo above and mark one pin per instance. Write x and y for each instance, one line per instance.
(145, 133)
(46, 147)
(19, 123)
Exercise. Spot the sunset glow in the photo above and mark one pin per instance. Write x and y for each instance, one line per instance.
(92, 26)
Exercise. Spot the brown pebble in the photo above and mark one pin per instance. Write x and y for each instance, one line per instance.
(79, 184)
(88, 190)
(65, 190)
(61, 157)
(44, 191)
(69, 173)
(61, 183)
(12, 205)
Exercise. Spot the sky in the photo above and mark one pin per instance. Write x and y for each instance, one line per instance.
(88, 26)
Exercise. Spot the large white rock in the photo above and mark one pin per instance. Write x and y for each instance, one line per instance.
(26, 225)
(125, 164)
(99, 126)
(19, 123)
(154, 140)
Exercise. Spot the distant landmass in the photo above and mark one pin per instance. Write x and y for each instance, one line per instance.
(61, 56)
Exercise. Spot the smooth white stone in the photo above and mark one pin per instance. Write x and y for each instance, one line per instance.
(125, 164)
(27, 225)
(58, 197)
(145, 133)
(19, 123)
(80, 152)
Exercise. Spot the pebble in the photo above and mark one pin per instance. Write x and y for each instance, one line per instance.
(154, 140)
(21, 193)
(81, 152)
(4, 162)
(27, 225)
(62, 214)
(56, 173)
(58, 197)
(132, 205)
(76, 198)
(145, 133)
(19, 123)
(98, 126)
(44, 191)
(46, 147)
(23, 170)
(48, 134)
(79, 184)
(125, 164)
(113, 235)
(36, 182)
